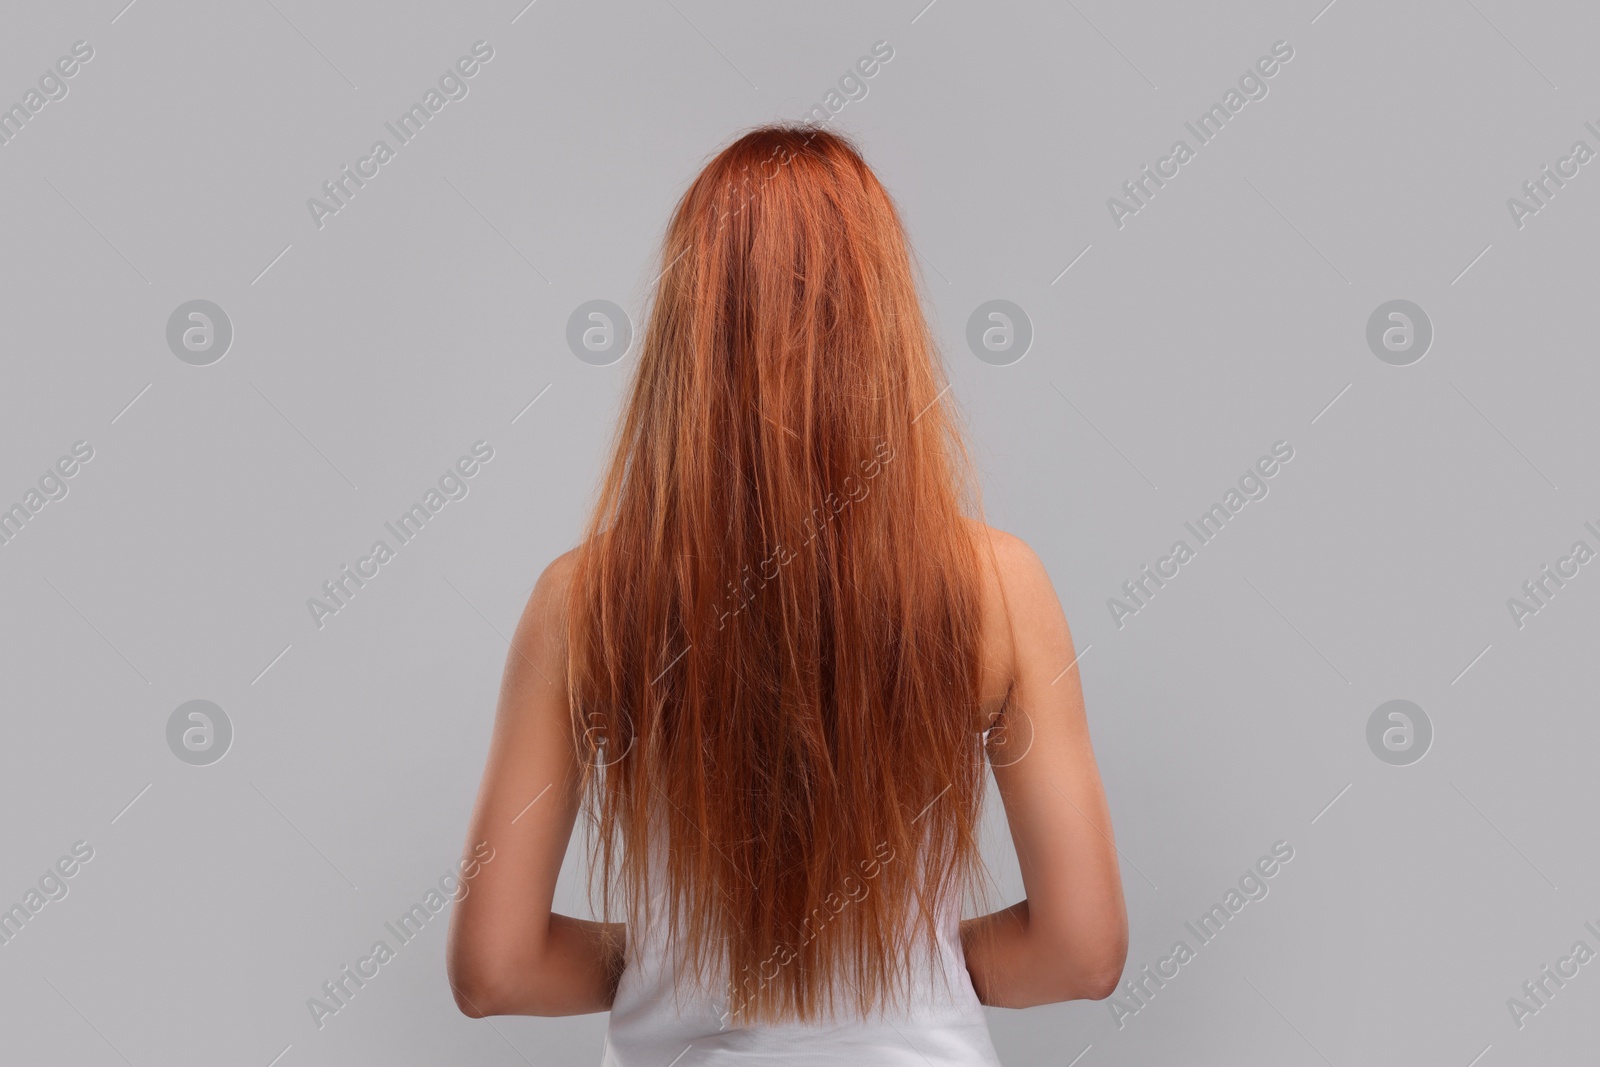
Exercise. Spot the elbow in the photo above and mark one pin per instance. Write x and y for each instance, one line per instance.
(477, 995)
(481, 980)
(1089, 981)
(1093, 971)
(1096, 984)
(486, 976)
(482, 989)
(469, 1006)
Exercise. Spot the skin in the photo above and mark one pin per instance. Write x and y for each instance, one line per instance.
(1068, 938)
(510, 954)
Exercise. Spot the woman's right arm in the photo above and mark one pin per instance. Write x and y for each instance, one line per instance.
(1068, 940)
(508, 953)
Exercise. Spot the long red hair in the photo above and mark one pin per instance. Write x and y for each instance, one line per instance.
(773, 632)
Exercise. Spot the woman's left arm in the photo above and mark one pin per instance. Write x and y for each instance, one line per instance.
(509, 954)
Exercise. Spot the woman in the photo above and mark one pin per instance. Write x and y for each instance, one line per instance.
(771, 673)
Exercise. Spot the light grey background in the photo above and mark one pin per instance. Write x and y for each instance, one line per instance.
(1228, 314)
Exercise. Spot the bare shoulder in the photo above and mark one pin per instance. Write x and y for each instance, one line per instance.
(555, 582)
(1014, 575)
(1019, 605)
(1016, 559)
(541, 638)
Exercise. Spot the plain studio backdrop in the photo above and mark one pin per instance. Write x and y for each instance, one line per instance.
(244, 451)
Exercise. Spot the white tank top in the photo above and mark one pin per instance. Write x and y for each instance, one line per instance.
(656, 1024)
